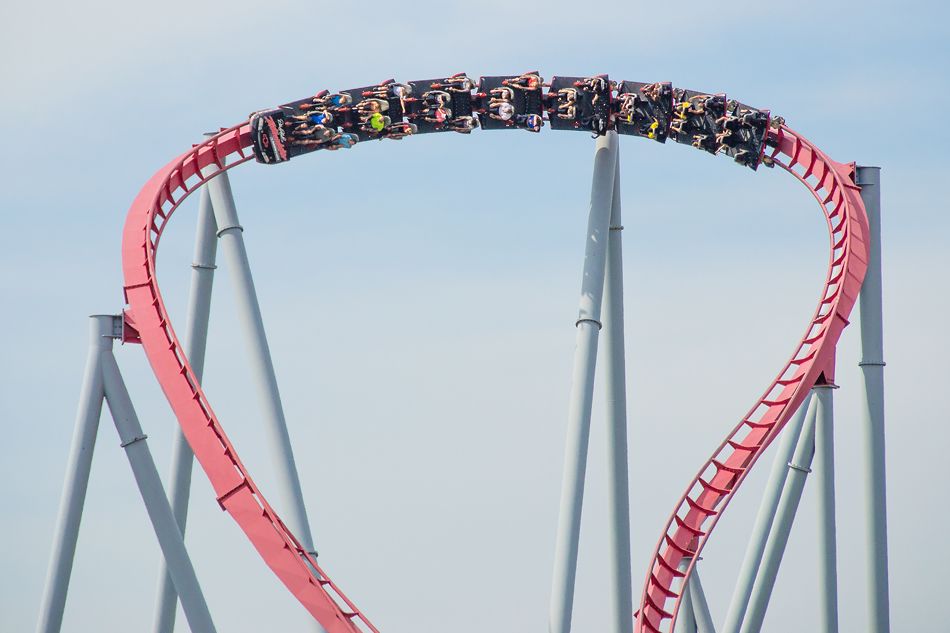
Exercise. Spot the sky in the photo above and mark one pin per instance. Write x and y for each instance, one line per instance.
(420, 299)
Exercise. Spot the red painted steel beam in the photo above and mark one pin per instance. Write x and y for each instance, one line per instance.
(708, 494)
(697, 511)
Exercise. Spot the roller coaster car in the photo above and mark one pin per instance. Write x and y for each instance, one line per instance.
(744, 133)
(644, 109)
(298, 127)
(492, 90)
(269, 136)
(333, 104)
(279, 134)
(698, 119)
(456, 94)
(580, 103)
(387, 98)
(459, 82)
(388, 89)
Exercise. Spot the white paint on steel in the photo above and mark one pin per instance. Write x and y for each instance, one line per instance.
(702, 615)
(103, 381)
(230, 232)
(763, 520)
(621, 590)
(582, 387)
(872, 366)
(686, 618)
(798, 469)
(133, 440)
(827, 537)
(195, 341)
(77, 478)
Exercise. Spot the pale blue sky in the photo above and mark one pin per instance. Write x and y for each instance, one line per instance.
(423, 336)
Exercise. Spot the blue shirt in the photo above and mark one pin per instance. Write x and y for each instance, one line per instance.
(318, 117)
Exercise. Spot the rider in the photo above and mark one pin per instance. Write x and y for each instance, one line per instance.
(319, 117)
(388, 89)
(500, 106)
(595, 85)
(628, 105)
(567, 103)
(368, 106)
(323, 100)
(501, 93)
(437, 115)
(375, 122)
(680, 110)
(530, 122)
(526, 81)
(344, 141)
(436, 99)
(316, 135)
(463, 124)
(456, 83)
(501, 110)
(397, 131)
(652, 91)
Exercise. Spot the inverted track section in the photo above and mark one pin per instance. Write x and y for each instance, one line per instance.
(697, 511)
(148, 321)
(710, 491)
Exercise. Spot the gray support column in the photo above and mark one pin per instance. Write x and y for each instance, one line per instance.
(230, 232)
(77, 479)
(616, 379)
(686, 618)
(582, 387)
(196, 338)
(798, 469)
(704, 621)
(763, 520)
(827, 545)
(872, 366)
(153, 494)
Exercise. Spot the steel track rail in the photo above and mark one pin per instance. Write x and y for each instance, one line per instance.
(148, 322)
(705, 499)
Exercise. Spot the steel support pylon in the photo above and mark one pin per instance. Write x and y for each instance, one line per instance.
(582, 386)
(231, 235)
(798, 469)
(686, 616)
(103, 382)
(618, 483)
(697, 599)
(827, 537)
(78, 467)
(870, 301)
(763, 520)
(195, 342)
(694, 615)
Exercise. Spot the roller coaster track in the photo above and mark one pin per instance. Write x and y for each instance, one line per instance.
(698, 509)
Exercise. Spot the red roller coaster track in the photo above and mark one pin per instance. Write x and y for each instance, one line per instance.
(696, 512)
